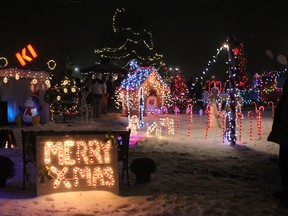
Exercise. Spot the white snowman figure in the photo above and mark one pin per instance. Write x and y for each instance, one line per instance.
(30, 110)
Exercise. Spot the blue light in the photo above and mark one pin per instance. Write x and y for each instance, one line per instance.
(11, 113)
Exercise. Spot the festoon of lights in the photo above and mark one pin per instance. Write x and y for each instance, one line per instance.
(15, 73)
(210, 63)
(111, 53)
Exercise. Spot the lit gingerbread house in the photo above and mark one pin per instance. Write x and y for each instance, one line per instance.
(16, 86)
(143, 92)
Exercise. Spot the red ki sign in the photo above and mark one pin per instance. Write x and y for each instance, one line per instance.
(23, 56)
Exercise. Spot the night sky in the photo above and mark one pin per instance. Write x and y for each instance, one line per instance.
(186, 33)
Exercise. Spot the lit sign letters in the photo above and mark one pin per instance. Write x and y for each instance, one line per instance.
(23, 56)
(76, 163)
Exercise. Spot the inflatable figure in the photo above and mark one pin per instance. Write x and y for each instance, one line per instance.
(31, 108)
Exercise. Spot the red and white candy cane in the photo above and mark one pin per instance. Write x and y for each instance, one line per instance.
(177, 112)
(189, 110)
(272, 104)
(209, 119)
(250, 115)
(239, 114)
(223, 126)
(255, 104)
(259, 120)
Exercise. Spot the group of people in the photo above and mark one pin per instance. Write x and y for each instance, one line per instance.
(101, 91)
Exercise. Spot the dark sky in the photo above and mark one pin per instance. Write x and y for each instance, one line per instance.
(185, 32)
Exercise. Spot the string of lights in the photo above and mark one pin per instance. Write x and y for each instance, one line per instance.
(134, 46)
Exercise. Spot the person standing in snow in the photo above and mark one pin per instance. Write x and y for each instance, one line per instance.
(98, 89)
(279, 135)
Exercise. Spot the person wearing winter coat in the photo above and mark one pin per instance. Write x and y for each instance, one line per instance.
(279, 135)
(98, 89)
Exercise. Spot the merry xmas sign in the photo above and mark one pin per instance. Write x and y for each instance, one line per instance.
(76, 163)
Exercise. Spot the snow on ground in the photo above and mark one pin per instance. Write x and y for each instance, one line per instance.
(195, 176)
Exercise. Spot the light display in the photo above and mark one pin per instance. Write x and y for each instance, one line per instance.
(15, 73)
(156, 126)
(130, 44)
(258, 111)
(209, 119)
(51, 64)
(266, 85)
(134, 124)
(3, 62)
(210, 63)
(242, 78)
(135, 90)
(232, 55)
(250, 115)
(64, 98)
(223, 126)
(240, 118)
(215, 83)
(23, 56)
(189, 111)
(76, 163)
(86, 109)
(179, 91)
(177, 113)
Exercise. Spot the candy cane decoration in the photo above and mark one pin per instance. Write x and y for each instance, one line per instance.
(177, 112)
(255, 104)
(240, 125)
(259, 120)
(239, 116)
(189, 110)
(223, 126)
(250, 115)
(209, 119)
(272, 104)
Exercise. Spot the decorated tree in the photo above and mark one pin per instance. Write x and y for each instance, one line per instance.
(64, 98)
(180, 92)
(130, 40)
(242, 78)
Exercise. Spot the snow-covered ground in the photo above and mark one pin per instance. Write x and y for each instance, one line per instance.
(195, 176)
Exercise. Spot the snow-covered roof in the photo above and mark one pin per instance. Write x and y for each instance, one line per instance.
(135, 80)
(11, 72)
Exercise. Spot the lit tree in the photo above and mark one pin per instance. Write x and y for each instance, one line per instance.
(64, 98)
(180, 92)
(130, 42)
(242, 78)
(64, 94)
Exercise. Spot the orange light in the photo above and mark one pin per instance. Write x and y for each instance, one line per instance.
(20, 59)
(23, 56)
(32, 51)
